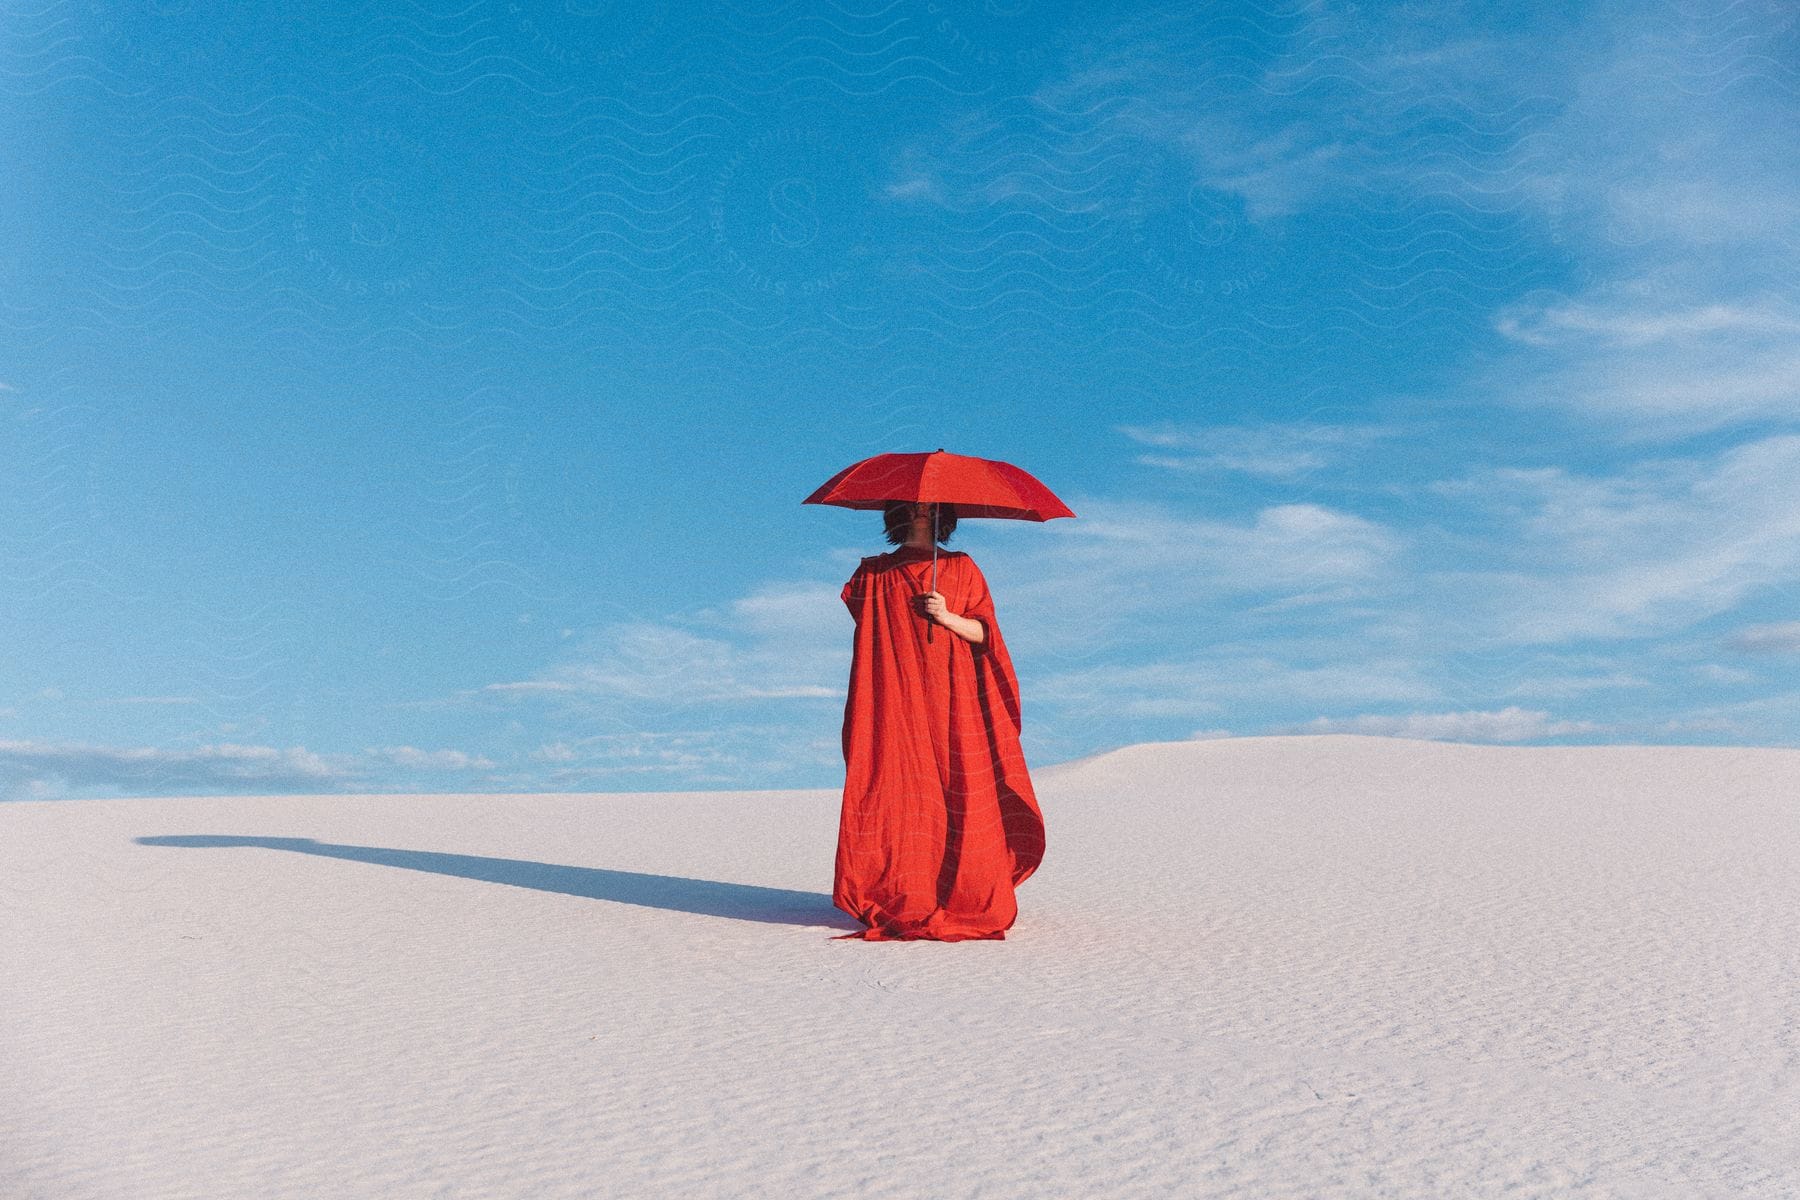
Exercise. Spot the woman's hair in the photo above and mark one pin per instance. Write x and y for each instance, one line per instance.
(897, 516)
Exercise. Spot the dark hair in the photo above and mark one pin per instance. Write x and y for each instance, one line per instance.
(897, 516)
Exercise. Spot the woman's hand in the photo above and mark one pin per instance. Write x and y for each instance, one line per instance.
(932, 608)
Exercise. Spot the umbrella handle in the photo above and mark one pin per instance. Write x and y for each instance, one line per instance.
(931, 629)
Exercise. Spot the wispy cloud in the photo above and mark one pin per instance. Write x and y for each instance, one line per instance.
(1652, 548)
(529, 686)
(646, 661)
(1660, 361)
(435, 760)
(1272, 450)
(1765, 719)
(914, 187)
(1782, 637)
(1510, 724)
(51, 770)
(1639, 144)
(1575, 684)
(1197, 686)
(775, 643)
(1268, 120)
(1132, 561)
(32, 769)
(1557, 324)
(1137, 575)
(1661, 139)
(1657, 172)
(1718, 673)
(707, 756)
(151, 700)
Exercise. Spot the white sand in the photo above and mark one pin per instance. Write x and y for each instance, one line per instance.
(1261, 967)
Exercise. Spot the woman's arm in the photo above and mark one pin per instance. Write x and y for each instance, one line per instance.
(966, 628)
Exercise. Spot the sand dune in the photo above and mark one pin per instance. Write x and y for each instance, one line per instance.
(1257, 967)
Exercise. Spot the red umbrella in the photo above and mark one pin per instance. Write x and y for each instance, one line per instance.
(978, 487)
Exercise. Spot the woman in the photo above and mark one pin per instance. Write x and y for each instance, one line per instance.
(939, 822)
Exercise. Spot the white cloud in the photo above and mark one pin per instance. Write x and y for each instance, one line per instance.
(436, 760)
(663, 663)
(1226, 123)
(1658, 367)
(1561, 322)
(1766, 719)
(1664, 173)
(1646, 144)
(1510, 724)
(1714, 673)
(1650, 144)
(783, 641)
(915, 187)
(1681, 725)
(1782, 637)
(1272, 450)
(1574, 685)
(1654, 548)
(40, 769)
(720, 754)
(1194, 687)
(1141, 571)
(152, 700)
(1654, 148)
(1273, 174)
(1281, 546)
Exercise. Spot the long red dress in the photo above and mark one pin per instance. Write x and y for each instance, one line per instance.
(940, 822)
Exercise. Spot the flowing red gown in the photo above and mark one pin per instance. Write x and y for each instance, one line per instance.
(940, 822)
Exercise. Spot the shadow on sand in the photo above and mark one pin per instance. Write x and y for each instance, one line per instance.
(706, 897)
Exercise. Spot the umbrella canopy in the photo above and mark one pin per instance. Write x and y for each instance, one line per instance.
(978, 487)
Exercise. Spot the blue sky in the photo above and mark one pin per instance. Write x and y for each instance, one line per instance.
(423, 401)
